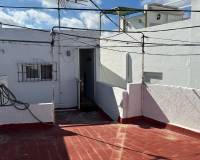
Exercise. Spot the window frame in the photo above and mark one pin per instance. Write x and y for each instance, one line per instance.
(50, 76)
(33, 68)
(46, 79)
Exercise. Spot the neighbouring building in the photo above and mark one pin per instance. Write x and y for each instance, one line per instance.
(154, 18)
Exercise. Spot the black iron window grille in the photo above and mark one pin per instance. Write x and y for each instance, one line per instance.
(28, 72)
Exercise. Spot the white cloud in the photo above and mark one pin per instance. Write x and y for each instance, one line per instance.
(41, 19)
(49, 3)
(72, 22)
(25, 18)
(86, 19)
(90, 19)
(6, 18)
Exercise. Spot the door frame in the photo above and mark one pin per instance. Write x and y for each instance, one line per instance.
(78, 81)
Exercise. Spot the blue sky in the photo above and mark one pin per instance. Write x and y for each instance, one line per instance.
(48, 19)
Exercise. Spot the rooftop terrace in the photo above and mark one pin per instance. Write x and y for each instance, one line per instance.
(90, 135)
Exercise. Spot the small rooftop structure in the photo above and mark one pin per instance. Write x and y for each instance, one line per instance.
(121, 11)
(158, 14)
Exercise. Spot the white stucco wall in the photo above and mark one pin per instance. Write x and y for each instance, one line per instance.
(174, 105)
(134, 107)
(110, 99)
(175, 69)
(43, 111)
(42, 92)
(118, 102)
(114, 62)
(166, 103)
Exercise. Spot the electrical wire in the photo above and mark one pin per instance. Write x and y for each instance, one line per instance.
(78, 36)
(172, 55)
(89, 37)
(24, 27)
(111, 36)
(125, 51)
(118, 26)
(171, 29)
(9, 99)
(25, 41)
(99, 10)
(169, 39)
(96, 46)
(146, 44)
(163, 30)
(122, 51)
(96, 30)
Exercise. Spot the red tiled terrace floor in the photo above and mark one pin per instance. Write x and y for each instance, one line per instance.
(89, 136)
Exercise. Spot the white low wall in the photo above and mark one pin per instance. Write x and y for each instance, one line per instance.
(134, 101)
(43, 111)
(174, 105)
(109, 99)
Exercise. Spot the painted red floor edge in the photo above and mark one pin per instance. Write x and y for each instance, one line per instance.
(159, 124)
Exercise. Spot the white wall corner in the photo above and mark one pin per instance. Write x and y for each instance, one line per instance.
(133, 102)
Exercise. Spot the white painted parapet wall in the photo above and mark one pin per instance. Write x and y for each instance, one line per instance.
(109, 99)
(177, 106)
(118, 102)
(173, 105)
(43, 111)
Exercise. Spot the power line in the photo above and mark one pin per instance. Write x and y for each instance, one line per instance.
(111, 20)
(173, 55)
(98, 10)
(88, 37)
(96, 46)
(24, 41)
(46, 42)
(112, 31)
(169, 39)
(171, 29)
(168, 45)
(151, 54)
(146, 44)
(149, 45)
(97, 30)
(106, 47)
(111, 36)
(42, 30)
(23, 27)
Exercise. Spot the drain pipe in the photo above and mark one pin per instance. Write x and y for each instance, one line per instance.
(59, 53)
(52, 34)
(142, 84)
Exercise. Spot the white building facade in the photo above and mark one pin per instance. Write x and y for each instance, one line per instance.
(39, 73)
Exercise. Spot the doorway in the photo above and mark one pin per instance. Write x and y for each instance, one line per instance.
(87, 79)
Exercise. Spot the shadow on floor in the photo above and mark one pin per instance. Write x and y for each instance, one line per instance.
(34, 142)
(77, 117)
(96, 138)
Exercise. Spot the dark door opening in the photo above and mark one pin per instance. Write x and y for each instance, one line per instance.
(87, 79)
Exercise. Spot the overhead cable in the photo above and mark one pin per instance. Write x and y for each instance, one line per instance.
(99, 10)
(118, 26)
